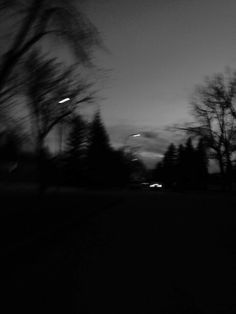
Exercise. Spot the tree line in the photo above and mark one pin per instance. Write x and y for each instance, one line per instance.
(85, 159)
(213, 109)
(90, 158)
(49, 95)
(183, 167)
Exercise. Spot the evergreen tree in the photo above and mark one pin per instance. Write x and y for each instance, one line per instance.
(201, 164)
(99, 153)
(169, 165)
(180, 167)
(76, 149)
(99, 144)
(189, 164)
(185, 167)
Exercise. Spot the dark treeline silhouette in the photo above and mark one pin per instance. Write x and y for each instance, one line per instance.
(9, 146)
(76, 146)
(183, 167)
(84, 159)
(90, 159)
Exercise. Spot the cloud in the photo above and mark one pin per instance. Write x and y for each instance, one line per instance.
(150, 146)
(152, 143)
(150, 158)
(150, 134)
(150, 155)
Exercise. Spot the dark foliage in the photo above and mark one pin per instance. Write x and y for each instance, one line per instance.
(183, 168)
(40, 19)
(169, 165)
(9, 146)
(213, 108)
(77, 150)
(99, 154)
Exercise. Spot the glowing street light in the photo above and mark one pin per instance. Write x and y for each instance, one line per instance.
(129, 136)
(125, 146)
(64, 100)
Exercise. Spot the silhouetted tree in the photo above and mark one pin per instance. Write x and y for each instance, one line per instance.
(77, 149)
(189, 164)
(40, 19)
(213, 107)
(192, 165)
(46, 83)
(183, 168)
(99, 153)
(9, 146)
(180, 167)
(201, 164)
(169, 165)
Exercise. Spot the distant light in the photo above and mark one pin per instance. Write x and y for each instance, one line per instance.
(64, 100)
(155, 185)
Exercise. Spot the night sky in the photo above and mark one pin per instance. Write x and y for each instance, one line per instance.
(159, 51)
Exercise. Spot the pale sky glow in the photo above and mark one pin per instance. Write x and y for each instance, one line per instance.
(150, 158)
(159, 50)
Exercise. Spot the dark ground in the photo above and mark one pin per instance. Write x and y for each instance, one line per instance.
(118, 252)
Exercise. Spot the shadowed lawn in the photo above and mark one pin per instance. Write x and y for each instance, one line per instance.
(119, 252)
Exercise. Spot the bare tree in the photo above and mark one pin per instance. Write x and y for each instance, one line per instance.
(46, 83)
(39, 19)
(213, 108)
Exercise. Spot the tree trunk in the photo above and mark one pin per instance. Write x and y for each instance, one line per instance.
(222, 171)
(229, 172)
(41, 163)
